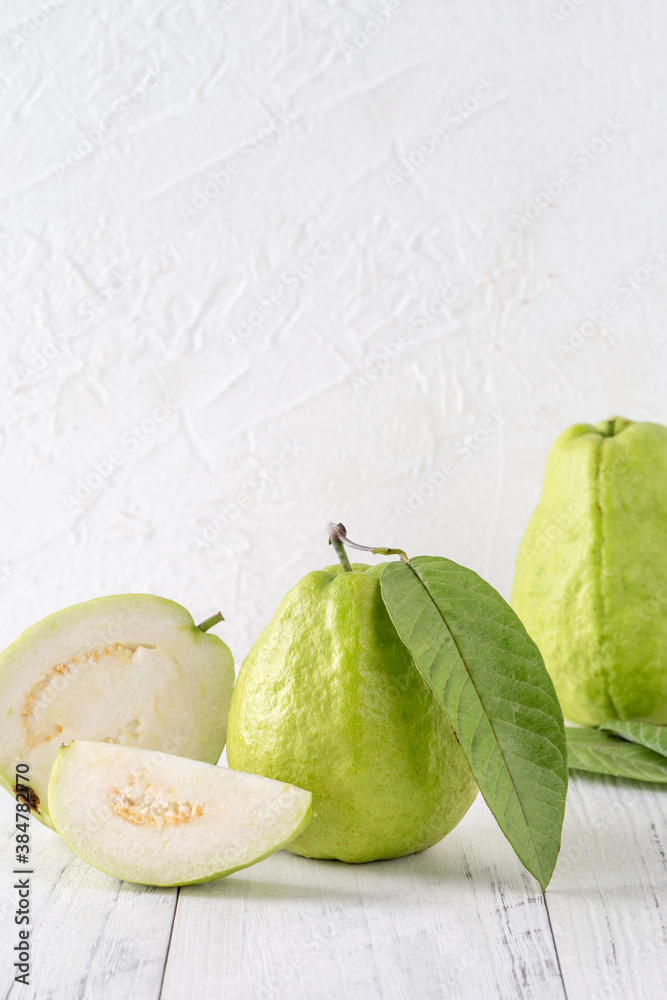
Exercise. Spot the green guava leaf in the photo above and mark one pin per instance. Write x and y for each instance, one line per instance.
(644, 733)
(603, 753)
(490, 678)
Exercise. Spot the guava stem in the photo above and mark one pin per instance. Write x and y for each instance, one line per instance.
(338, 538)
(336, 535)
(210, 622)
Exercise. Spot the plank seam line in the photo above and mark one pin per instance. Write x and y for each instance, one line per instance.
(553, 938)
(171, 934)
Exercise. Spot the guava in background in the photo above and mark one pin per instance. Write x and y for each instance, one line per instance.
(591, 573)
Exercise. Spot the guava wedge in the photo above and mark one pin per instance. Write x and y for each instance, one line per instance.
(149, 817)
(132, 669)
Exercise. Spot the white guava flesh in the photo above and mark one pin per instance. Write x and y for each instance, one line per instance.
(132, 669)
(149, 817)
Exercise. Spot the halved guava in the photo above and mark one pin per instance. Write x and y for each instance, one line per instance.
(132, 669)
(150, 817)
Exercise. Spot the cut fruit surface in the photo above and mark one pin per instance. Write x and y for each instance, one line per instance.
(149, 817)
(132, 669)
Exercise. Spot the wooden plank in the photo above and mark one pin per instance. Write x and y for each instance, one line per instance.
(608, 898)
(91, 935)
(462, 920)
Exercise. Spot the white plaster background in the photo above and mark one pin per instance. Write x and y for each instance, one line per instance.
(305, 376)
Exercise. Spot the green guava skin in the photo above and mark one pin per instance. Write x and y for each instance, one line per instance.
(591, 573)
(329, 699)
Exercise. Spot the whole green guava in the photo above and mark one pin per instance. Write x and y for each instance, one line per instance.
(591, 573)
(329, 699)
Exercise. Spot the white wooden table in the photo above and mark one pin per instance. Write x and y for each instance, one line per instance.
(461, 921)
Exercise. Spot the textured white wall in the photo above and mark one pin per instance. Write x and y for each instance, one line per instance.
(416, 203)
